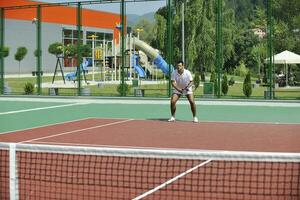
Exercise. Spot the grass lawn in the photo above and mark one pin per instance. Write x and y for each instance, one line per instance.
(159, 90)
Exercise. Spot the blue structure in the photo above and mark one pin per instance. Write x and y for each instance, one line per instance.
(83, 68)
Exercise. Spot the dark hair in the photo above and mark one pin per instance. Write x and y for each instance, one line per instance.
(180, 62)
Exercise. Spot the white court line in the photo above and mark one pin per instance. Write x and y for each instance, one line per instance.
(170, 181)
(42, 126)
(78, 130)
(42, 108)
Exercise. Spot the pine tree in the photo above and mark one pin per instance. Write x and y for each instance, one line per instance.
(247, 87)
(224, 85)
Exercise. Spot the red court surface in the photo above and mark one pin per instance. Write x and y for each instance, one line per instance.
(73, 176)
(160, 134)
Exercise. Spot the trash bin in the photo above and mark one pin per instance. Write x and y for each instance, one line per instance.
(135, 83)
(208, 89)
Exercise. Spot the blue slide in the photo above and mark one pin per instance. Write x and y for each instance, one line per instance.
(141, 72)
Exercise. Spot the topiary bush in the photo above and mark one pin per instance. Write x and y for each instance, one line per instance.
(70, 50)
(5, 51)
(86, 50)
(247, 87)
(213, 79)
(28, 88)
(56, 48)
(126, 89)
(224, 85)
(196, 80)
(202, 76)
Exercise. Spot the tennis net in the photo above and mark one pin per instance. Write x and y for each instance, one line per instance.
(32, 171)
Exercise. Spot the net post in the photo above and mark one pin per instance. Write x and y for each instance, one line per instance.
(13, 178)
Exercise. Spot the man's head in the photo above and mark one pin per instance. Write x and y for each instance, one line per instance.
(180, 66)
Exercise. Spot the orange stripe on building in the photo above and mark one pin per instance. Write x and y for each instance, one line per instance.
(62, 15)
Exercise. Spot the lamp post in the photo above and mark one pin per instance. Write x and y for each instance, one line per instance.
(93, 54)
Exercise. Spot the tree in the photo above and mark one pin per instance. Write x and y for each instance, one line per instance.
(148, 27)
(197, 80)
(224, 84)
(20, 55)
(247, 87)
(56, 48)
(213, 80)
(5, 51)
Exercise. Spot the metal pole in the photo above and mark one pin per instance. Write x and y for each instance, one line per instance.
(170, 49)
(79, 58)
(182, 32)
(270, 49)
(219, 44)
(123, 45)
(93, 56)
(39, 49)
(2, 50)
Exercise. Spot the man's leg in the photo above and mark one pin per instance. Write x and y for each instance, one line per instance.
(174, 99)
(190, 97)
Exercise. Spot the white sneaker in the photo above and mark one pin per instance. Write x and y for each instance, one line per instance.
(195, 119)
(172, 119)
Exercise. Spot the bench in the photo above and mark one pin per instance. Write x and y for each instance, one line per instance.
(55, 90)
(140, 92)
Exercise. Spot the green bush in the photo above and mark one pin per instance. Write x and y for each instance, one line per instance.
(196, 80)
(241, 70)
(247, 87)
(28, 88)
(5, 51)
(56, 48)
(21, 53)
(36, 53)
(213, 79)
(231, 81)
(126, 89)
(225, 84)
(86, 50)
(202, 75)
(70, 50)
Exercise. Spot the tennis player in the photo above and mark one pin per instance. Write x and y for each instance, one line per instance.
(182, 81)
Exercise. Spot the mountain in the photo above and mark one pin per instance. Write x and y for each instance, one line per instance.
(133, 19)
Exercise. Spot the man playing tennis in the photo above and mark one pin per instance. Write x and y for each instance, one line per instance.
(182, 81)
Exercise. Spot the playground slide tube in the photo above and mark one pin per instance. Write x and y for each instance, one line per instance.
(154, 55)
(141, 72)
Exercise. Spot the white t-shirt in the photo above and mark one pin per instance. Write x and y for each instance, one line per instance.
(182, 80)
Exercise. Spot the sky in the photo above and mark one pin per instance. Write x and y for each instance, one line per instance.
(138, 8)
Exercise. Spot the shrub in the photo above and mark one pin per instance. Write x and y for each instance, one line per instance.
(5, 51)
(28, 88)
(202, 75)
(224, 84)
(241, 70)
(56, 48)
(231, 81)
(247, 87)
(21, 53)
(126, 89)
(214, 80)
(86, 50)
(36, 53)
(70, 50)
(196, 80)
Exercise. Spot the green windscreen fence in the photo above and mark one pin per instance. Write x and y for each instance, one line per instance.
(83, 55)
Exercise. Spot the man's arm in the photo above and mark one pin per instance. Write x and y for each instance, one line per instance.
(173, 83)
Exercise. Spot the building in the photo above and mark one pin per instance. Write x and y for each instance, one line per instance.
(59, 24)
